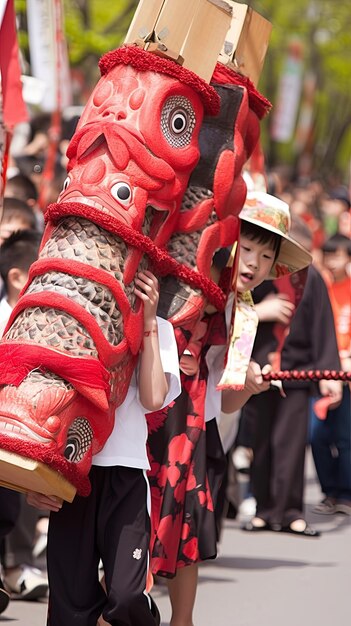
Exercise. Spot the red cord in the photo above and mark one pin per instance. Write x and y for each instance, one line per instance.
(308, 375)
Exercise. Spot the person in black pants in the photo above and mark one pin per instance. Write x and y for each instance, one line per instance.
(279, 426)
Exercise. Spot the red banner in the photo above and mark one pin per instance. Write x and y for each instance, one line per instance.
(14, 109)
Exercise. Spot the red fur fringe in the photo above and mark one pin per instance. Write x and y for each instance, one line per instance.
(225, 76)
(147, 61)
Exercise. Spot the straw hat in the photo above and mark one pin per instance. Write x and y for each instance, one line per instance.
(272, 214)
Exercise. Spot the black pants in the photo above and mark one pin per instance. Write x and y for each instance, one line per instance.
(280, 428)
(10, 506)
(10, 503)
(19, 542)
(112, 524)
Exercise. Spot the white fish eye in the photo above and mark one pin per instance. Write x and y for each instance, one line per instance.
(66, 183)
(179, 122)
(122, 192)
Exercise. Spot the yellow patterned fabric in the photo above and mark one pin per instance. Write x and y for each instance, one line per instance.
(242, 336)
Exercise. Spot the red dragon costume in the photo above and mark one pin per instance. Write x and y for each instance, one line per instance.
(150, 183)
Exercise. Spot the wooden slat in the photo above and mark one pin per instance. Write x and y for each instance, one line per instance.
(253, 44)
(233, 35)
(205, 37)
(22, 474)
(246, 42)
(174, 21)
(144, 20)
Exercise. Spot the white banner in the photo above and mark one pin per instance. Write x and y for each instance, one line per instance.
(48, 52)
(3, 4)
(288, 100)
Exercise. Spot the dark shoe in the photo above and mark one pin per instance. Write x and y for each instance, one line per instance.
(306, 532)
(4, 598)
(253, 528)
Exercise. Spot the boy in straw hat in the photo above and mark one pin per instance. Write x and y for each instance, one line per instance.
(266, 252)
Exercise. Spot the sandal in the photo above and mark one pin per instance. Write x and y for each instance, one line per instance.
(306, 532)
(251, 527)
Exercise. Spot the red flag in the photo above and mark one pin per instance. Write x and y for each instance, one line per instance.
(14, 109)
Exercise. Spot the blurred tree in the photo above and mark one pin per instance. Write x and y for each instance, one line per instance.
(324, 28)
(94, 27)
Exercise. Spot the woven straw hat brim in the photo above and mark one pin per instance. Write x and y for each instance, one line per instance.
(292, 256)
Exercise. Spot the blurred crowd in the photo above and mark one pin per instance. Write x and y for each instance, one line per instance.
(266, 441)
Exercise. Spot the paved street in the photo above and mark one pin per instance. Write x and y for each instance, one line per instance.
(263, 579)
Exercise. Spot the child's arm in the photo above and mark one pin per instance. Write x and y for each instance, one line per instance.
(234, 400)
(153, 383)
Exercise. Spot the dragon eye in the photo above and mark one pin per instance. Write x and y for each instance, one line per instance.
(122, 192)
(66, 183)
(79, 438)
(71, 450)
(178, 121)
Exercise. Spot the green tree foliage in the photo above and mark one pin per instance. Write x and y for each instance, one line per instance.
(324, 28)
(95, 26)
(92, 27)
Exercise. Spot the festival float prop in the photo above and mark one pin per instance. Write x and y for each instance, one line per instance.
(72, 341)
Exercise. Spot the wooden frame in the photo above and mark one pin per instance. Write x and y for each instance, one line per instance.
(22, 474)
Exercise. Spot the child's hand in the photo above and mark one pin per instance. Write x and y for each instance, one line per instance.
(254, 382)
(42, 502)
(333, 390)
(188, 364)
(147, 291)
(275, 308)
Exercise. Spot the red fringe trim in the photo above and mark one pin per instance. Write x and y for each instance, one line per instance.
(145, 61)
(225, 76)
(55, 461)
(162, 261)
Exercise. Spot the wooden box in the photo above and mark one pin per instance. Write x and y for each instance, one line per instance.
(191, 32)
(246, 42)
(22, 474)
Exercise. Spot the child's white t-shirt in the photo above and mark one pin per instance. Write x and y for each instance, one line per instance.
(126, 445)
